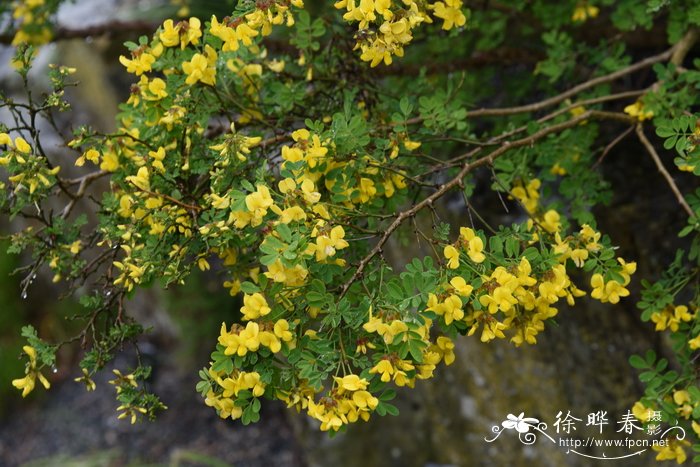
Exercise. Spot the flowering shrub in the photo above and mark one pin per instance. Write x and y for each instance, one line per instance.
(288, 169)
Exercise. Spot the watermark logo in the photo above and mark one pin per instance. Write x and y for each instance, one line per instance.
(564, 433)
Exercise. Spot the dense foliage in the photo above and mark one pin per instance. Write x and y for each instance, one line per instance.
(286, 149)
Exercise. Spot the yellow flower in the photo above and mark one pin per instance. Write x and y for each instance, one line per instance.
(583, 11)
(550, 221)
(528, 195)
(674, 450)
(446, 347)
(157, 89)
(492, 329)
(694, 343)
(364, 399)
(452, 256)
(249, 338)
(598, 284)
(579, 256)
(110, 162)
(350, 383)
(170, 37)
(259, 201)
(22, 146)
(461, 286)
(183, 33)
(641, 412)
(385, 368)
(254, 306)
(139, 64)
(614, 290)
(474, 244)
(28, 383)
(141, 179)
(411, 145)
(276, 66)
(637, 110)
(200, 68)
(75, 247)
(326, 245)
(281, 330)
(500, 299)
(450, 12)
(452, 309)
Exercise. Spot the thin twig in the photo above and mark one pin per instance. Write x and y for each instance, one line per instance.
(654, 155)
(611, 145)
(576, 89)
(169, 198)
(84, 181)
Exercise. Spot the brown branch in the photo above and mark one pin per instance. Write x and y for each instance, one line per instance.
(454, 162)
(169, 198)
(611, 145)
(458, 181)
(583, 103)
(576, 89)
(684, 46)
(84, 182)
(654, 155)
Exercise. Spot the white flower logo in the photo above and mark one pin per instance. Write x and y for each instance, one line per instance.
(520, 423)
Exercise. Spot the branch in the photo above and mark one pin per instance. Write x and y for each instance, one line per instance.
(679, 49)
(684, 45)
(84, 182)
(169, 198)
(654, 155)
(578, 88)
(562, 111)
(457, 181)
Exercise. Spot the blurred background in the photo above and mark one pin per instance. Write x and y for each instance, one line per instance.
(579, 365)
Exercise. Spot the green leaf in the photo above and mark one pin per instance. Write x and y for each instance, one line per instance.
(638, 362)
(665, 132)
(670, 142)
(249, 288)
(387, 395)
(285, 232)
(390, 409)
(405, 106)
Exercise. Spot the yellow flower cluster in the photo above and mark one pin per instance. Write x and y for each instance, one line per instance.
(32, 172)
(584, 11)
(231, 385)
(637, 111)
(32, 17)
(233, 145)
(385, 26)
(523, 300)
(512, 297)
(348, 402)
(673, 448)
(612, 290)
(528, 196)
(468, 242)
(27, 384)
(241, 340)
(671, 317)
(577, 247)
(392, 368)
